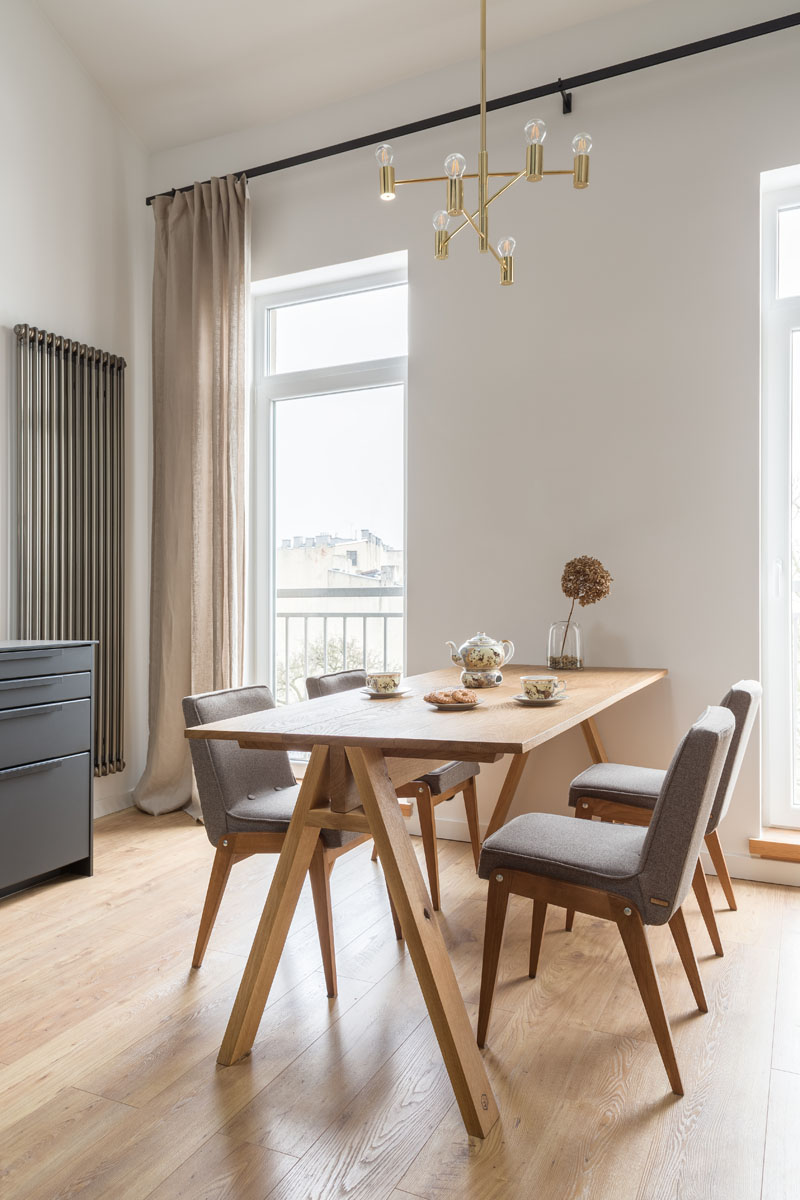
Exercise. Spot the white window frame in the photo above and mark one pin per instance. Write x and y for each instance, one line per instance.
(269, 390)
(779, 318)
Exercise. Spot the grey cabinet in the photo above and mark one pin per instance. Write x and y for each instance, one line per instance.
(46, 761)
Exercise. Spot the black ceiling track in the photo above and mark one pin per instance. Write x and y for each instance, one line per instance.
(559, 86)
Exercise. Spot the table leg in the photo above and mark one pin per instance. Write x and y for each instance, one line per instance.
(507, 792)
(593, 741)
(293, 863)
(425, 943)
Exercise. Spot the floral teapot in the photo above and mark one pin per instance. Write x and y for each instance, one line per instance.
(481, 658)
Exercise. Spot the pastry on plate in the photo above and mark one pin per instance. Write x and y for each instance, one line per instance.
(459, 695)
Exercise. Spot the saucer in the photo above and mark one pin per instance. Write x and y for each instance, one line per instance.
(541, 703)
(455, 707)
(385, 695)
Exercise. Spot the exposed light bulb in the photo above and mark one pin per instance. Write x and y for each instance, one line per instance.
(506, 246)
(441, 221)
(454, 166)
(385, 155)
(582, 143)
(535, 131)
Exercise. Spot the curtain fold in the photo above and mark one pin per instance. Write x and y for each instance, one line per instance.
(200, 291)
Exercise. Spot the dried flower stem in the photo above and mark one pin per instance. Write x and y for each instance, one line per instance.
(566, 631)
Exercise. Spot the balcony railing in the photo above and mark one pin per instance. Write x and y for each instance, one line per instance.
(323, 640)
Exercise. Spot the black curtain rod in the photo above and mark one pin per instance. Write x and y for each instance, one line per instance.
(546, 89)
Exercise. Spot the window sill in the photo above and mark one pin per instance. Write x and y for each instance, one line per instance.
(780, 845)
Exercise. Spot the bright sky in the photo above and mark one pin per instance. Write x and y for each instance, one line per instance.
(339, 457)
(339, 465)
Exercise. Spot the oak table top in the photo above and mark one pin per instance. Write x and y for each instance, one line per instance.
(406, 725)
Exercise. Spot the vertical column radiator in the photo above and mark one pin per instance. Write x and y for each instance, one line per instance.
(71, 511)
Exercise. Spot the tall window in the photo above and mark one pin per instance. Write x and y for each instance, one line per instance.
(328, 470)
(780, 340)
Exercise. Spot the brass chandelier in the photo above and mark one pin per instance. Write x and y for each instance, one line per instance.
(455, 172)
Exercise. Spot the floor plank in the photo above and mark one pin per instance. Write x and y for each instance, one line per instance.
(782, 1153)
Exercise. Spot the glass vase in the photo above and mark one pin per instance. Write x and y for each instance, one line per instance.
(565, 646)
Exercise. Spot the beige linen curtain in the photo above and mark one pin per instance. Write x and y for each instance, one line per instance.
(200, 289)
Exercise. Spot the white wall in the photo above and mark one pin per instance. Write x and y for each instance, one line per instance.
(621, 370)
(75, 259)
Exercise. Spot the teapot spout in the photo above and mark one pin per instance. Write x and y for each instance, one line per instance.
(454, 654)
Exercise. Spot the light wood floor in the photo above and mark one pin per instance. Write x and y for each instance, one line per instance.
(109, 1086)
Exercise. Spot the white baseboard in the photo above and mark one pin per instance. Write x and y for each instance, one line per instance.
(105, 805)
(761, 870)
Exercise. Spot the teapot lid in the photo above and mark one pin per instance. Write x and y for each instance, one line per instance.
(481, 639)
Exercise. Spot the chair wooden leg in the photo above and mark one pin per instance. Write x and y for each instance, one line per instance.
(320, 875)
(496, 906)
(427, 825)
(700, 885)
(680, 933)
(721, 867)
(585, 814)
(398, 930)
(634, 939)
(374, 854)
(537, 929)
(471, 809)
(220, 870)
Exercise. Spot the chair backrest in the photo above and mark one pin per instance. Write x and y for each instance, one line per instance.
(743, 700)
(339, 681)
(675, 835)
(224, 772)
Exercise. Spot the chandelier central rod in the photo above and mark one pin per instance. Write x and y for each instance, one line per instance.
(483, 155)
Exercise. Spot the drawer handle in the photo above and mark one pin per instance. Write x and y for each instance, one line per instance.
(10, 713)
(31, 768)
(30, 654)
(37, 681)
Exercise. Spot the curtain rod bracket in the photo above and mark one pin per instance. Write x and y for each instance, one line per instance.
(566, 98)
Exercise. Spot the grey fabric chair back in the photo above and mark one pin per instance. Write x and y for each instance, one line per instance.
(743, 700)
(339, 681)
(224, 772)
(680, 817)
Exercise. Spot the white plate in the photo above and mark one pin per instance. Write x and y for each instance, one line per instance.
(385, 695)
(541, 703)
(455, 707)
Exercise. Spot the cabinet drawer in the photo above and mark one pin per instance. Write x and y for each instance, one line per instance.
(50, 660)
(46, 731)
(44, 689)
(45, 817)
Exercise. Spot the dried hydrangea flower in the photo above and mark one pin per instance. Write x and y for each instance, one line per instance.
(586, 580)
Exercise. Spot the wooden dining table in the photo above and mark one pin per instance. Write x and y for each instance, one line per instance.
(362, 750)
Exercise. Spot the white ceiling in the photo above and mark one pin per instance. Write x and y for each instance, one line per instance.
(179, 71)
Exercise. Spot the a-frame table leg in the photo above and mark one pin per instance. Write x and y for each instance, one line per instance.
(295, 859)
(594, 741)
(425, 943)
(507, 792)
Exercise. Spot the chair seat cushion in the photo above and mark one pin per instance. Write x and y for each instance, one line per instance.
(270, 811)
(589, 853)
(449, 776)
(637, 786)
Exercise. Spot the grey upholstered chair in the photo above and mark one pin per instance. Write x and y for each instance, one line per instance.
(431, 789)
(623, 873)
(247, 798)
(616, 792)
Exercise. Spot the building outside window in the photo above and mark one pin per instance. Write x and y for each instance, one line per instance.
(328, 469)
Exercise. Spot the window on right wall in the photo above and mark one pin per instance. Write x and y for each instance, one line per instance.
(780, 472)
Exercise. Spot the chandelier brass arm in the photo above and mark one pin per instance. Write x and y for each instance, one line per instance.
(455, 168)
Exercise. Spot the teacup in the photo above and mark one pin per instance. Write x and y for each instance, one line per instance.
(542, 687)
(384, 681)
